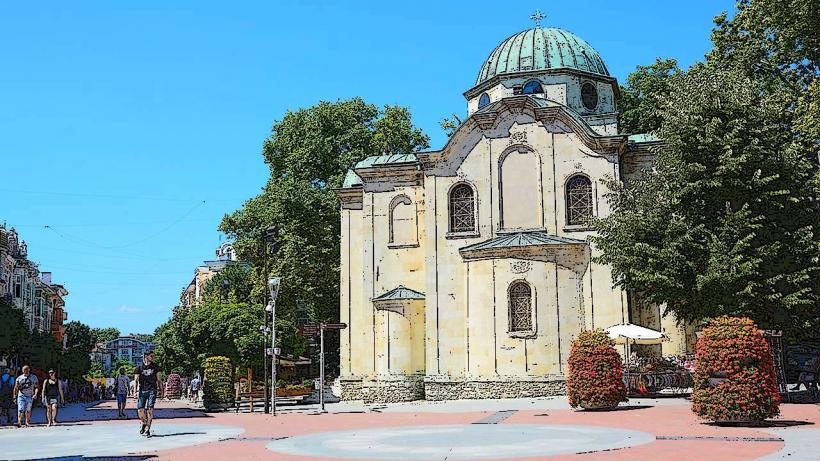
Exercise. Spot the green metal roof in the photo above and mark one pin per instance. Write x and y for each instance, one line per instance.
(540, 49)
(517, 244)
(643, 137)
(351, 179)
(400, 292)
(390, 159)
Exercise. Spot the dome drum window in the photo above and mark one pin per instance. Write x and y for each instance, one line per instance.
(533, 87)
(483, 100)
(589, 96)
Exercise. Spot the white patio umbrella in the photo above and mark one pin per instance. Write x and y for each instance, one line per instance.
(634, 334)
(629, 333)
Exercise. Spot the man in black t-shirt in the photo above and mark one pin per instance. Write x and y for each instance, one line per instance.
(148, 386)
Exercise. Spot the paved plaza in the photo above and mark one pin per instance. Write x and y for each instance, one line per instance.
(528, 429)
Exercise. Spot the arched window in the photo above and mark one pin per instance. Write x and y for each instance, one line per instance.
(483, 100)
(533, 87)
(462, 208)
(402, 221)
(579, 200)
(520, 302)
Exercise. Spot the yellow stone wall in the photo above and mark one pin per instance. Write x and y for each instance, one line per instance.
(460, 331)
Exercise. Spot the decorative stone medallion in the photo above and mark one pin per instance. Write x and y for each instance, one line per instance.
(518, 137)
(520, 267)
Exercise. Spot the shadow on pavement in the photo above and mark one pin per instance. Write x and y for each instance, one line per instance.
(94, 413)
(618, 408)
(176, 434)
(771, 423)
(100, 458)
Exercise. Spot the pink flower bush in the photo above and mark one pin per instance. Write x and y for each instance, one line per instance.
(595, 378)
(734, 378)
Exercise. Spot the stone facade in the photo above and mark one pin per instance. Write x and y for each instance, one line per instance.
(471, 266)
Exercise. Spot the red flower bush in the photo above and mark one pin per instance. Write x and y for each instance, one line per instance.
(734, 378)
(595, 377)
(173, 386)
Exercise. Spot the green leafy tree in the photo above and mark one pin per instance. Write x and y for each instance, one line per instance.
(643, 95)
(41, 351)
(175, 349)
(96, 370)
(450, 124)
(146, 338)
(125, 364)
(728, 223)
(213, 328)
(79, 343)
(239, 288)
(102, 335)
(308, 153)
(13, 329)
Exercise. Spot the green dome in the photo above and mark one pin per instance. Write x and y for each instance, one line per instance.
(540, 49)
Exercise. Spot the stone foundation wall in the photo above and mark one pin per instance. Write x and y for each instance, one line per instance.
(452, 390)
(408, 388)
(394, 389)
(351, 389)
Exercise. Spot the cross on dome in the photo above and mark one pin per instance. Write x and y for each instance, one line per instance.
(537, 16)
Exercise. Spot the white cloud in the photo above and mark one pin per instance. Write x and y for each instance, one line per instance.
(129, 309)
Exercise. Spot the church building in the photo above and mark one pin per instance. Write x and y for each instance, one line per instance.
(466, 272)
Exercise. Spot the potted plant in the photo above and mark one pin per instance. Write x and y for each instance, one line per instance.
(734, 376)
(595, 379)
(173, 386)
(218, 391)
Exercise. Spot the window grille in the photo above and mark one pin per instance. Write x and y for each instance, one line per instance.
(462, 209)
(579, 200)
(520, 307)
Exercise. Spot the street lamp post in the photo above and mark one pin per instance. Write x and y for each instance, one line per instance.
(265, 330)
(273, 287)
(269, 238)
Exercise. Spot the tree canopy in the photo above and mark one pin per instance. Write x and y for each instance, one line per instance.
(308, 153)
(641, 98)
(211, 329)
(728, 222)
(103, 335)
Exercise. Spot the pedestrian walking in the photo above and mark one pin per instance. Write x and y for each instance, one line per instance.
(194, 389)
(6, 393)
(122, 386)
(52, 396)
(25, 392)
(148, 387)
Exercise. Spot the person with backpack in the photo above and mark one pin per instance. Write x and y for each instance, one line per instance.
(6, 401)
(25, 392)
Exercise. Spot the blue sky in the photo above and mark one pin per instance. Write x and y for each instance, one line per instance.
(130, 128)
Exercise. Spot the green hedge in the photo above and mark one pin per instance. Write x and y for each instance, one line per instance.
(218, 388)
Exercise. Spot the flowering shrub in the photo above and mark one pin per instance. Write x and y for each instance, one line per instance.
(218, 389)
(173, 386)
(734, 375)
(595, 377)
